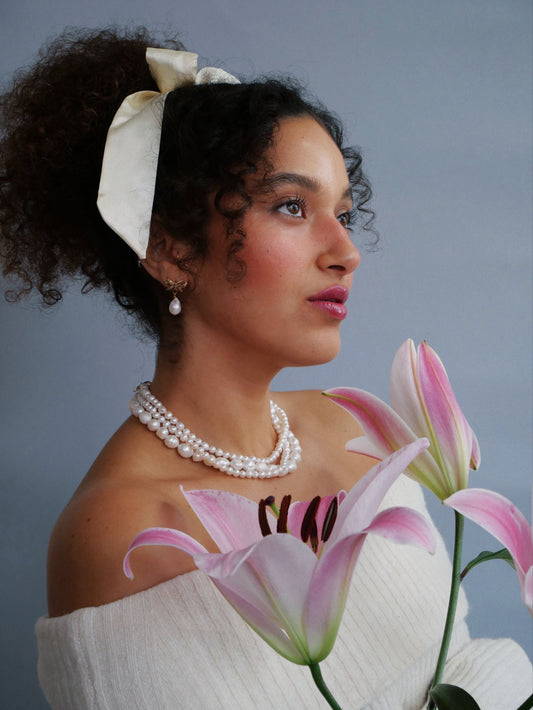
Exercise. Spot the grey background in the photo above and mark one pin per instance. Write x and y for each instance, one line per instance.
(438, 95)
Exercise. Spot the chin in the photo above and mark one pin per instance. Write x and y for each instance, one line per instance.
(319, 354)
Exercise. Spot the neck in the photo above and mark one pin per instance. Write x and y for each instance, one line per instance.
(207, 391)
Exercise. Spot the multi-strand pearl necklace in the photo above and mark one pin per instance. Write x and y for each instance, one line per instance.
(287, 452)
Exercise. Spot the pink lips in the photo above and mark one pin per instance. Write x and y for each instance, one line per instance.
(331, 301)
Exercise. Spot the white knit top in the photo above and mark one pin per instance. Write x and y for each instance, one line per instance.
(179, 645)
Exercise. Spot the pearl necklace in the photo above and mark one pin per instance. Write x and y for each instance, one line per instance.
(175, 435)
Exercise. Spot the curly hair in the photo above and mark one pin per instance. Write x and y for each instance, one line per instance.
(54, 121)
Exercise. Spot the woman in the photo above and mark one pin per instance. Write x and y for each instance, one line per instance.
(223, 222)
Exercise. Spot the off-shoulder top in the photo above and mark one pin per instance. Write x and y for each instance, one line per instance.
(181, 646)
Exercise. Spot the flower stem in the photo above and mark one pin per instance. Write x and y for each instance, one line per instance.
(317, 677)
(452, 602)
(528, 704)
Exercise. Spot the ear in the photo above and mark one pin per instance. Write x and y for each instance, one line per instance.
(162, 255)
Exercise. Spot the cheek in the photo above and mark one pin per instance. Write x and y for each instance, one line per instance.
(277, 262)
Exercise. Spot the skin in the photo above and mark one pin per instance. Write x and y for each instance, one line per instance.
(237, 338)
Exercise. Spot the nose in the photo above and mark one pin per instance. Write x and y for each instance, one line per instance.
(339, 253)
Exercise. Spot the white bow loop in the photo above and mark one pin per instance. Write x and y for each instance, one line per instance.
(129, 166)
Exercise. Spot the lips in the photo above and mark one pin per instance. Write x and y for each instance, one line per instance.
(331, 301)
(334, 294)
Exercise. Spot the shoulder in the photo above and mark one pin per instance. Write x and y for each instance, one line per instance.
(316, 409)
(91, 537)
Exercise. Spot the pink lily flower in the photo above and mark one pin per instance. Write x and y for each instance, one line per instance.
(290, 591)
(506, 523)
(423, 405)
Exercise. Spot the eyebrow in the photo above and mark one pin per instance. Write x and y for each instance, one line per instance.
(309, 183)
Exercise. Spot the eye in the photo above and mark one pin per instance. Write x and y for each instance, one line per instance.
(294, 208)
(345, 219)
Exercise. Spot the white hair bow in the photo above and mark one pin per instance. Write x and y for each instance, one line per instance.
(129, 167)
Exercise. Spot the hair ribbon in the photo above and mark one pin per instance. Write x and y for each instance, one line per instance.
(129, 166)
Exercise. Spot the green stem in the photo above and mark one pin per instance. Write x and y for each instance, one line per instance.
(452, 603)
(317, 677)
(528, 704)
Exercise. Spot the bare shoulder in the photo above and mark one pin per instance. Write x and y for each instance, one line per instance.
(91, 537)
(320, 410)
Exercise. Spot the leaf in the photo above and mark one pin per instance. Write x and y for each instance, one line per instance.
(450, 697)
(485, 556)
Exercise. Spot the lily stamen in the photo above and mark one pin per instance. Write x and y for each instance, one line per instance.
(283, 514)
(329, 520)
(263, 520)
(309, 519)
(313, 537)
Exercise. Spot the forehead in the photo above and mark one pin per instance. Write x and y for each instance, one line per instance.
(302, 146)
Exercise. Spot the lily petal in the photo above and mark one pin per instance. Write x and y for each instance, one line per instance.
(363, 445)
(331, 580)
(264, 626)
(385, 432)
(451, 435)
(162, 536)
(327, 593)
(361, 503)
(274, 579)
(382, 426)
(502, 519)
(405, 391)
(230, 519)
(404, 526)
(527, 590)
(475, 460)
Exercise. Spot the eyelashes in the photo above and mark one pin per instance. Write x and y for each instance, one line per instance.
(297, 206)
(294, 206)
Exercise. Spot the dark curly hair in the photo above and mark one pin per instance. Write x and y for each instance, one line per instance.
(54, 122)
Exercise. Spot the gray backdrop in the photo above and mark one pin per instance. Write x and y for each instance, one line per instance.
(438, 96)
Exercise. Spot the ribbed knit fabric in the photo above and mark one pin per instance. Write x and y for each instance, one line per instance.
(180, 646)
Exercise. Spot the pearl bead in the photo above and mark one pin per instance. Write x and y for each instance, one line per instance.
(185, 451)
(153, 425)
(172, 442)
(162, 432)
(145, 417)
(135, 408)
(174, 306)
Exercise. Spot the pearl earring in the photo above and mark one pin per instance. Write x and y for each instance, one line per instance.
(175, 287)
